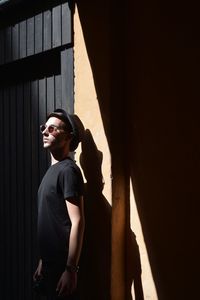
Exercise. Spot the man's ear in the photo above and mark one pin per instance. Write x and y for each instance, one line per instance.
(70, 136)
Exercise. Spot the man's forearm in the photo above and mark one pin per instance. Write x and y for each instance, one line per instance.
(75, 242)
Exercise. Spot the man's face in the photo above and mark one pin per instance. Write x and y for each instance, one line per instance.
(54, 135)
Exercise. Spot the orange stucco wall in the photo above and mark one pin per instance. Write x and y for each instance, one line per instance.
(94, 158)
(87, 107)
(137, 91)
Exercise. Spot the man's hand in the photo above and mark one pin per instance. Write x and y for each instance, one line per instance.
(38, 272)
(67, 283)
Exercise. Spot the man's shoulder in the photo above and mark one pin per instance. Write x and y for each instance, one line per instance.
(68, 164)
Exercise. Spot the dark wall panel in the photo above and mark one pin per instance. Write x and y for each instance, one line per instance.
(23, 166)
(34, 122)
(42, 119)
(45, 81)
(8, 45)
(48, 29)
(30, 36)
(15, 41)
(50, 94)
(2, 193)
(13, 191)
(67, 62)
(2, 46)
(20, 190)
(38, 33)
(58, 90)
(7, 207)
(56, 21)
(66, 24)
(22, 39)
(27, 187)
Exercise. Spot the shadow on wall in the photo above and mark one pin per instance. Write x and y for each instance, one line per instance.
(133, 268)
(165, 127)
(162, 99)
(95, 258)
(95, 280)
(95, 262)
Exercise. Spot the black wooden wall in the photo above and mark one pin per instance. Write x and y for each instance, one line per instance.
(33, 34)
(36, 75)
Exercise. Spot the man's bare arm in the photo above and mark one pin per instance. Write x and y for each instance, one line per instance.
(76, 215)
(68, 281)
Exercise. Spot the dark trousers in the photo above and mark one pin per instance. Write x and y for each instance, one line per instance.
(51, 272)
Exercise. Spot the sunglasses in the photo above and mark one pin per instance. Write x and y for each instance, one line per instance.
(51, 128)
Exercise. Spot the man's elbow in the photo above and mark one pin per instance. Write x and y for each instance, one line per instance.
(82, 223)
(79, 222)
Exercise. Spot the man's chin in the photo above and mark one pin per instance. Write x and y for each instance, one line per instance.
(46, 145)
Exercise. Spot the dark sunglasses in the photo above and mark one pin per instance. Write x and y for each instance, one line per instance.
(50, 128)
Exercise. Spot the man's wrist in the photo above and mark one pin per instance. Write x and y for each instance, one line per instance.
(72, 268)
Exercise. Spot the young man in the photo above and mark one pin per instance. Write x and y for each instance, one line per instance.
(60, 210)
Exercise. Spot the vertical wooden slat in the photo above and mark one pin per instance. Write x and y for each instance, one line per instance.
(66, 24)
(58, 91)
(13, 192)
(2, 47)
(15, 41)
(67, 79)
(38, 33)
(30, 36)
(42, 119)
(22, 39)
(35, 130)
(35, 164)
(47, 30)
(2, 194)
(56, 14)
(50, 94)
(6, 199)
(8, 44)
(27, 189)
(1, 179)
(20, 189)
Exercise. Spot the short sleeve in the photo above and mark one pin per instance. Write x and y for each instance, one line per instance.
(71, 182)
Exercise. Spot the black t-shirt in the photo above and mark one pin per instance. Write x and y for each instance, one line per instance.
(62, 180)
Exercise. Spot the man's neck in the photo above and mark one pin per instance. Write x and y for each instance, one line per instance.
(58, 156)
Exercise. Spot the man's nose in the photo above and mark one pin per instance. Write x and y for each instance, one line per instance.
(45, 132)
